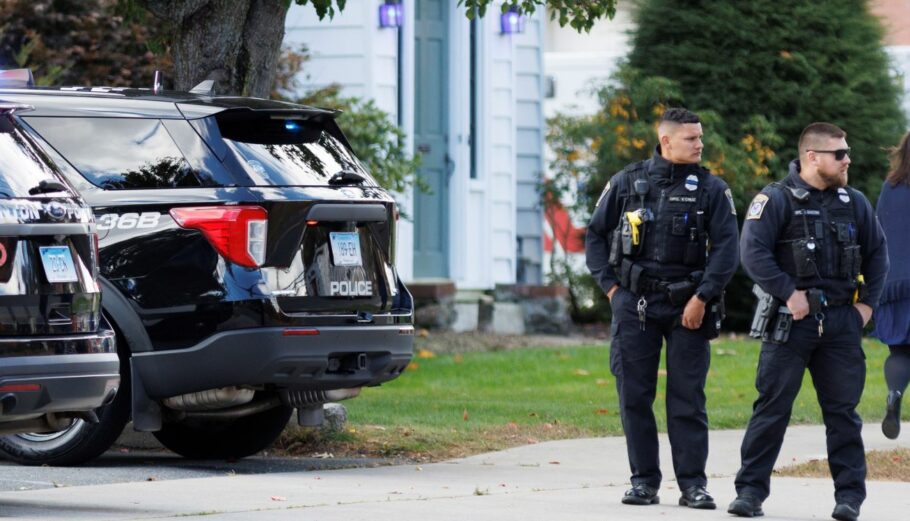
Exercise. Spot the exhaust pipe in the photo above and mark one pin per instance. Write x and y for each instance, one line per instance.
(300, 398)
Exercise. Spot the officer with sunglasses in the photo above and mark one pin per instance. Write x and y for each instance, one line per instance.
(815, 248)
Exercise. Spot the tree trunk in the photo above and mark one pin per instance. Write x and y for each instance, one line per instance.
(234, 42)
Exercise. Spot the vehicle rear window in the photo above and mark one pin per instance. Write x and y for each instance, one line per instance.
(22, 164)
(119, 153)
(287, 152)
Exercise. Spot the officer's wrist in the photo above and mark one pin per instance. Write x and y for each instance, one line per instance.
(702, 297)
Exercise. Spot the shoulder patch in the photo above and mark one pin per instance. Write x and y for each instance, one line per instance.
(843, 195)
(757, 207)
(603, 194)
(729, 194)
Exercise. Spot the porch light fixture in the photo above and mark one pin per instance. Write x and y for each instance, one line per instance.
(391, 14)
(511, 22)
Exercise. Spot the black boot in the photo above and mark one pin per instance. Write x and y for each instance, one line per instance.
(845, 512)
(641, 495)
(697, 497)
(745, 506)
(891, 425)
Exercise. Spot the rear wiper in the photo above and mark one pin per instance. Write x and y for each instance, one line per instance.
(347, 177)
(46, 187)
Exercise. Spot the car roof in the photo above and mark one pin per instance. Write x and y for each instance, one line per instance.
(143, 103)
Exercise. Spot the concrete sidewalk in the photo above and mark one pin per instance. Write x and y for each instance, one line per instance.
(562, 480)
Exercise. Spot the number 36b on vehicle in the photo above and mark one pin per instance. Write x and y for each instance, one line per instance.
(128, 221)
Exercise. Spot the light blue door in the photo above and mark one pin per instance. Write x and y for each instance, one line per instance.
(431, 210)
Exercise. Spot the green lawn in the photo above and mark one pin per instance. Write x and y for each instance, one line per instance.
(453, 404)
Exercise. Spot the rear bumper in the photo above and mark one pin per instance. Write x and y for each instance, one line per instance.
(334, 358)
(35, 385)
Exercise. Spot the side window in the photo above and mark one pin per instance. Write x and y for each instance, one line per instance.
(119, 153)
(23, 166)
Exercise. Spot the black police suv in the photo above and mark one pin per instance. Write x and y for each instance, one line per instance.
(58, 360)
(247, 260)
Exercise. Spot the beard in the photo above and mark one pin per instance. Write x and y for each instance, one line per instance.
(835, 179)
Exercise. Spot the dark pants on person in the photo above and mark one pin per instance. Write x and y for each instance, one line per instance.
(634, 360)
(897, 367)
(838, 368)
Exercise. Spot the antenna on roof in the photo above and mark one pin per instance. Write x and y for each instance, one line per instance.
(205, 88)
(17, 78)
(156, 83)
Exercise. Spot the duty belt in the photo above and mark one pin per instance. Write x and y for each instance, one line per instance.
(653, 285)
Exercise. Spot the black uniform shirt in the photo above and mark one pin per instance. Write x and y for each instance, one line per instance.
(720, 225)
(766, 219)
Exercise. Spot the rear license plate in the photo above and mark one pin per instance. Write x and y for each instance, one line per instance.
(345, 248)
(58, 264)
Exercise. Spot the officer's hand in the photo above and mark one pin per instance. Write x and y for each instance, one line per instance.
(611, 292)
(865, 311)
(694, 313)
(798, 305)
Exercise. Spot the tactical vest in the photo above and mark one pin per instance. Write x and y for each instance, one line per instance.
(674, 229)
(820, 237)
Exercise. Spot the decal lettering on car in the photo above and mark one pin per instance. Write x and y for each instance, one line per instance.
(128, 221)
(345, 288)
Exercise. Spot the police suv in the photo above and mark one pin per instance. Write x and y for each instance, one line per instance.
(58, 361)
(247, 260)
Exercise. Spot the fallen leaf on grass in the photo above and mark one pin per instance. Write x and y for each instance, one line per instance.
(512, 426)
(413, 366)
(725, 352)
(458, 359)
(602, 411)
(582, 372)
(423, 333)
(426, 353)
(548, 426)
(602, 381)
(464, 415)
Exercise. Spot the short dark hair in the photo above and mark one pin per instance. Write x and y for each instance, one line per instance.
(811, 133)
(679, 115)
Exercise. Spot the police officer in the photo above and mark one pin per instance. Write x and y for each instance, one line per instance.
(815, 245)
(662, 244)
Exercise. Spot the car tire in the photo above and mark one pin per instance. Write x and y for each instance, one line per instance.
(80, 442)
(225, 439)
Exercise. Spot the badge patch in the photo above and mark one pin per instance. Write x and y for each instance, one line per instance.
(692, 183)
(604, 193)
(843, 195)
(757, 206)
(729, 194)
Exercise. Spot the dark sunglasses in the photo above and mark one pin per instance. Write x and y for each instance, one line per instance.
(839, 154)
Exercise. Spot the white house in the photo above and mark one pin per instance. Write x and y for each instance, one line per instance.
(470, 99)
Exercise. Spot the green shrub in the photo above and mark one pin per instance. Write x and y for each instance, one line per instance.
(792, 62)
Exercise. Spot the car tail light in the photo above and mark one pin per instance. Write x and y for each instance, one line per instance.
(238, 233)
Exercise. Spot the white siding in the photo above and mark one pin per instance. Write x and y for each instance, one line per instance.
(501, 142)
(529, 151)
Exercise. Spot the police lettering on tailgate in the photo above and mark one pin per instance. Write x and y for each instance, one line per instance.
(351, 288)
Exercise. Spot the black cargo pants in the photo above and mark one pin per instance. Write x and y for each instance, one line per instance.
(634, 359)
(838, 368)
